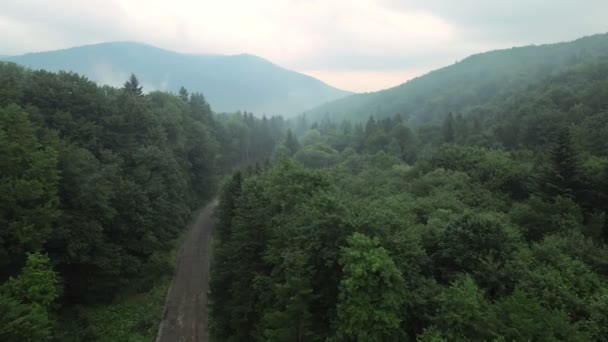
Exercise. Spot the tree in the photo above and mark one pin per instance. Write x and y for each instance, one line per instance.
(406, 141)
(563, 175)
(370, 127)
(200, 108)
(461, 128)
(228, 204)
(516, 318)
(291, 142)
(462, 311)
(479, 244)
(538, 218)
(23, 322)
(183, 94)
(317, 156)
(370, 300)
(28, 189)
(26, 301)
(312, 136)
(448, 129)
(37, 284)
(132, 86)
(235, 307)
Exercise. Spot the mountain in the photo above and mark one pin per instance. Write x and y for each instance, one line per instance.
(474, 81)
(230, 83)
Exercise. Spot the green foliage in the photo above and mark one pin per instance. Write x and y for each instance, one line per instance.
(538, 218)
(496, 169)
(132, 86)
(23, 322)
(291, 142)
(490, 226)
(563, 176)
(37, 283)
(462, 310)
(475, 241)
(317, 156)
(448, 129)
(132, 318)
(102, 181)
(26, 301)
(28, 204)
(478, 244)
(520, 317)
(371, 293)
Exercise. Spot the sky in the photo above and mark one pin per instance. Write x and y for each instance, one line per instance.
(357, 45)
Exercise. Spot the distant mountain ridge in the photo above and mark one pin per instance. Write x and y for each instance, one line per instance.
(474, 81)
(229, 82)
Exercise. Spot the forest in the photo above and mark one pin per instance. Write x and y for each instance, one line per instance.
(97, 184)
(485, 221)
(484, 226)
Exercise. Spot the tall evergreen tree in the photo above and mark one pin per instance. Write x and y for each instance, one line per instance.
(461, 131)
(370, 126)
(448, 130)
(563, 176)
(291, 142)
(183, 94)
(133, 87)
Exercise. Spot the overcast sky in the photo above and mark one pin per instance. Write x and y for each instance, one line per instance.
(359, 45)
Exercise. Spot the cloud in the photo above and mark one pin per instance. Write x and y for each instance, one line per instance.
(516, 20)
(342, 41)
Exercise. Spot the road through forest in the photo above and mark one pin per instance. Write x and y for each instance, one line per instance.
(185, 315)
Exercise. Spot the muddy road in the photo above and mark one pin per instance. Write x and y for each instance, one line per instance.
(185, 315)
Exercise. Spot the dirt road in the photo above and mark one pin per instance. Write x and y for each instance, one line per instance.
(185, 315)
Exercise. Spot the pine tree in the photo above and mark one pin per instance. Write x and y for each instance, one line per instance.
(291, 142)
(563, 176)
(132, 86)
(370, 127)
(449, 136)
(462, 128)
(183, 94)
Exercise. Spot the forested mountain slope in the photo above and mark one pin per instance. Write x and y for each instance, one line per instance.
(473, 81)
(230, 83)
(96, 184)
(486, 226)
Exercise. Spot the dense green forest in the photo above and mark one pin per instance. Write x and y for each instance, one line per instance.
(96, 185)
(473, 208)
(488, 224)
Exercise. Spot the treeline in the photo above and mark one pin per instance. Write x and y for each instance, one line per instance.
(96, 184)
(487, 225)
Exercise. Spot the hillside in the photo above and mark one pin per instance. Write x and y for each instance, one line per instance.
(467, 230)
(474, 81)
(230, 83)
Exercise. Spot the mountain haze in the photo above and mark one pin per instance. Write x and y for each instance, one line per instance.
(471, 82)
(230, 83)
